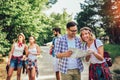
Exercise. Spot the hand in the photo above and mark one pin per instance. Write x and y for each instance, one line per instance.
(52, 46)
(8, 63)
(68, 53)
(24, 57)
(90, 51)
(108, 59)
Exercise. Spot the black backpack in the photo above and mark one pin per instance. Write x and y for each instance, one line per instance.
(106, 56)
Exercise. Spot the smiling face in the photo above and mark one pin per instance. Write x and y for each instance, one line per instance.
(86, 35)
(72, 31)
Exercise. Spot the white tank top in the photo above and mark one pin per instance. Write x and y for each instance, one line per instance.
(18, 51)
(32, 51)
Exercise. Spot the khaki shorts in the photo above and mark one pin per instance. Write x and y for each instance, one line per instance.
(72, 74)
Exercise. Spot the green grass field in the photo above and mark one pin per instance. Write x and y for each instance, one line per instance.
(113, 49)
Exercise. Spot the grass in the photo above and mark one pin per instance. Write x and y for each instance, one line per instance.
(117, 71)
(113, 49)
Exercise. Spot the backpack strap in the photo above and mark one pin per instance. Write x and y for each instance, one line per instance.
(95, 44)
(53, 41)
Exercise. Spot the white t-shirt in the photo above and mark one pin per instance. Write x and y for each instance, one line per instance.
(93, 59)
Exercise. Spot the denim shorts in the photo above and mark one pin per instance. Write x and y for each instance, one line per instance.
(14, 63)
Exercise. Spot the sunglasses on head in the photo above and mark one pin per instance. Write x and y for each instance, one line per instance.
(85, 28)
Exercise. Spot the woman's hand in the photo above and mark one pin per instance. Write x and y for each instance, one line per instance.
(99, 54)
(8, 63)
(24, 57)
(90, 51)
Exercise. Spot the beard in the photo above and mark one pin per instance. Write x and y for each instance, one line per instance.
(56, 35)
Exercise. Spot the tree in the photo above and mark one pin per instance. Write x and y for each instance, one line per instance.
(4, 44)
(111, 19)
(90, 15)
(18, 16)
(21, 16)
(54, 20)
(101, 14)
(60, 20)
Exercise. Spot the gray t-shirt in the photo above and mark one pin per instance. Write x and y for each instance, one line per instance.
(93, 59)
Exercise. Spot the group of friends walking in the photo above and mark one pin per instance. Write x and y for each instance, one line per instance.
(16, 57)
(65, 67)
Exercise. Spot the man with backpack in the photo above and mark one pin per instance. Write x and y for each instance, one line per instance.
(57, 34)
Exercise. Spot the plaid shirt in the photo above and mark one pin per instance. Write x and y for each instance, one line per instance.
(62, 46)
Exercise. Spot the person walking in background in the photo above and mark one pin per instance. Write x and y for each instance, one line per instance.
(70, 68)
(15, 56)
(98, 69)
(57, 34)
(33, 51)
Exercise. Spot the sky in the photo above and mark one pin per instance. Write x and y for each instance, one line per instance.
(71, 6)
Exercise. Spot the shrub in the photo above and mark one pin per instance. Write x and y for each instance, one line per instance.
(113, 49)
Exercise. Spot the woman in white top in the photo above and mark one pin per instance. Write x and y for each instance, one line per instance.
(33, 51)
(98, 69)
(15, 56)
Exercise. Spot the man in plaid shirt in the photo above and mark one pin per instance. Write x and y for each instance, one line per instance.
(70, 68)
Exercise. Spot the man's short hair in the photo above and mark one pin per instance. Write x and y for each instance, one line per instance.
(71, 24)
(57, 29)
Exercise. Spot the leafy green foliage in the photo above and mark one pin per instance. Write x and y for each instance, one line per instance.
(90, 15)
(21, 16)
(27, 16)
(60, 20)
(4, 44)
(54, 20)
(113, 49)
(101, 14)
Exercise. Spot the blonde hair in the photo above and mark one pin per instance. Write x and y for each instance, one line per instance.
(92, 36)
(21, 34)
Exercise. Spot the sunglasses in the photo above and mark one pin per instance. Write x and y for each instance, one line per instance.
(73, 30)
